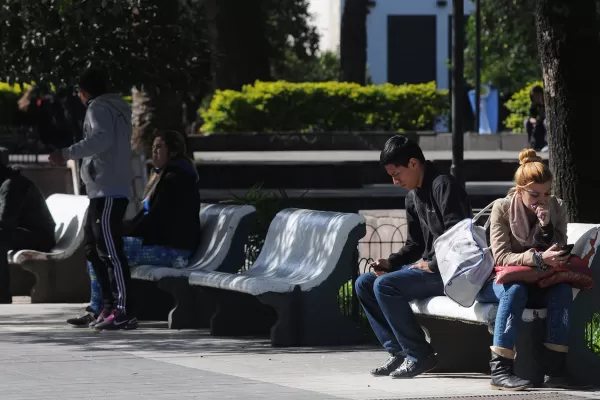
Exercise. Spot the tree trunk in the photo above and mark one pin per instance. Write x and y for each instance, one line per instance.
(154, 109)
(353, 41)
(568, 45)
(239, 46)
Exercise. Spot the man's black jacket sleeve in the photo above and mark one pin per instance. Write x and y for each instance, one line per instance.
(414, 246)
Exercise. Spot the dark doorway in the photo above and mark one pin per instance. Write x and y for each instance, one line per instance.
(411, 49)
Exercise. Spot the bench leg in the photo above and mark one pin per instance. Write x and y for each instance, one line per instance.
(192, 308)
(460, 347)
(582, 361)
(239, 314)
(59, 281)
(310, 319)
(21, 281)
(529, 342)
(147, 302)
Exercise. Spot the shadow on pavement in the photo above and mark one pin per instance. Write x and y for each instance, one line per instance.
(50, 328)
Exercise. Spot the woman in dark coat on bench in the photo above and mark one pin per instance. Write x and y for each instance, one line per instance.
(167, 230)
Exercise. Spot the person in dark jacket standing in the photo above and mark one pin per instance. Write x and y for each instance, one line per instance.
(435, 202)
(167, 230)
(25, 222)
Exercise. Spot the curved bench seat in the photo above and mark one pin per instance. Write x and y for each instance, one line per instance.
(307, 256)
(60, 275)
(224, 233)
(453, 340)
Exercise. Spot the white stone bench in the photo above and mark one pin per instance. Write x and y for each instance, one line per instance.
(224, 234)
(60, 275)
(446, 337)
(307, 256)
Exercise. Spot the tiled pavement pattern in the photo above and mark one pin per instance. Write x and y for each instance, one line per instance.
(41, 358)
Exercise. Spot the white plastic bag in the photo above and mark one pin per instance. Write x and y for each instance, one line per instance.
(464, 259)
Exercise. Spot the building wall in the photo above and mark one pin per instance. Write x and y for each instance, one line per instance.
(327, 18)
(377, 34)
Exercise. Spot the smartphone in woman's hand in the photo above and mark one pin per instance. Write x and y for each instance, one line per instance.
(566, 249)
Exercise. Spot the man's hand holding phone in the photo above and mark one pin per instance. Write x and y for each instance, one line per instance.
(380, 266)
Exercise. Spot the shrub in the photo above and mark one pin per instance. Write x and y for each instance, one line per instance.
(9, 97)
(518, 105)
(327, 106)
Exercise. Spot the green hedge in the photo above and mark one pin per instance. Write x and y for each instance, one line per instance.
(518, 105)
(327, 106)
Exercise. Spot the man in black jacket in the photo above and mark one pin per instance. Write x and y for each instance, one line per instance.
(25, 222)
(435, 202)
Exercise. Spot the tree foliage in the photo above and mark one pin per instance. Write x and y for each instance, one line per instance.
(323, 67)
(509, 49)
(291, 36)
(138, 42)
(509, 53)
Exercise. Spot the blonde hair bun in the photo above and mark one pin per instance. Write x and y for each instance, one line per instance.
(528, 156)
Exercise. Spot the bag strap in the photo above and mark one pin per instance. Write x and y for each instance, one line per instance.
(482, 212)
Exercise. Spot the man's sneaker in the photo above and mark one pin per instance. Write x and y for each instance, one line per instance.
(389, 366)
(410, 368)
(117, 321)
(100, 317)
(84, 320)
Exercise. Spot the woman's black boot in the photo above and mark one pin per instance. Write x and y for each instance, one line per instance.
(503, 377)
(557, 376)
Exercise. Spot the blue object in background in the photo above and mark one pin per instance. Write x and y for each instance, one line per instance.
(488, 122)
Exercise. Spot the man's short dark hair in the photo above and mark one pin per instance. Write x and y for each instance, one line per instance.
(398, 151)
(94, 81)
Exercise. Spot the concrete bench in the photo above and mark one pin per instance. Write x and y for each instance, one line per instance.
(224, 233)
(60, 276)
(465, 347)
(292, 288)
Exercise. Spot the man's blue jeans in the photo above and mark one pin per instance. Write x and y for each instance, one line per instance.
(513, 298)
(385, 300)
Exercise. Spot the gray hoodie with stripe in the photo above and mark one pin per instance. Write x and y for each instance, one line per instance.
(106, 169)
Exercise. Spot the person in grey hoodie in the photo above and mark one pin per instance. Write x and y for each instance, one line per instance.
(107, 173)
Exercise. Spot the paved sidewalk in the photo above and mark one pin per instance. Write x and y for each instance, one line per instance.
(41, 358)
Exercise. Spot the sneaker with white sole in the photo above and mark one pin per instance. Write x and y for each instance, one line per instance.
(117, 320)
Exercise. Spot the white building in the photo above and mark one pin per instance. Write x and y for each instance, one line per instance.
(408, 41)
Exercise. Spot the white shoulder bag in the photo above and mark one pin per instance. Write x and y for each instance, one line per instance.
(464, 259)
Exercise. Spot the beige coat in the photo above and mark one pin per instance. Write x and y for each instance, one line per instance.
(506, 249)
